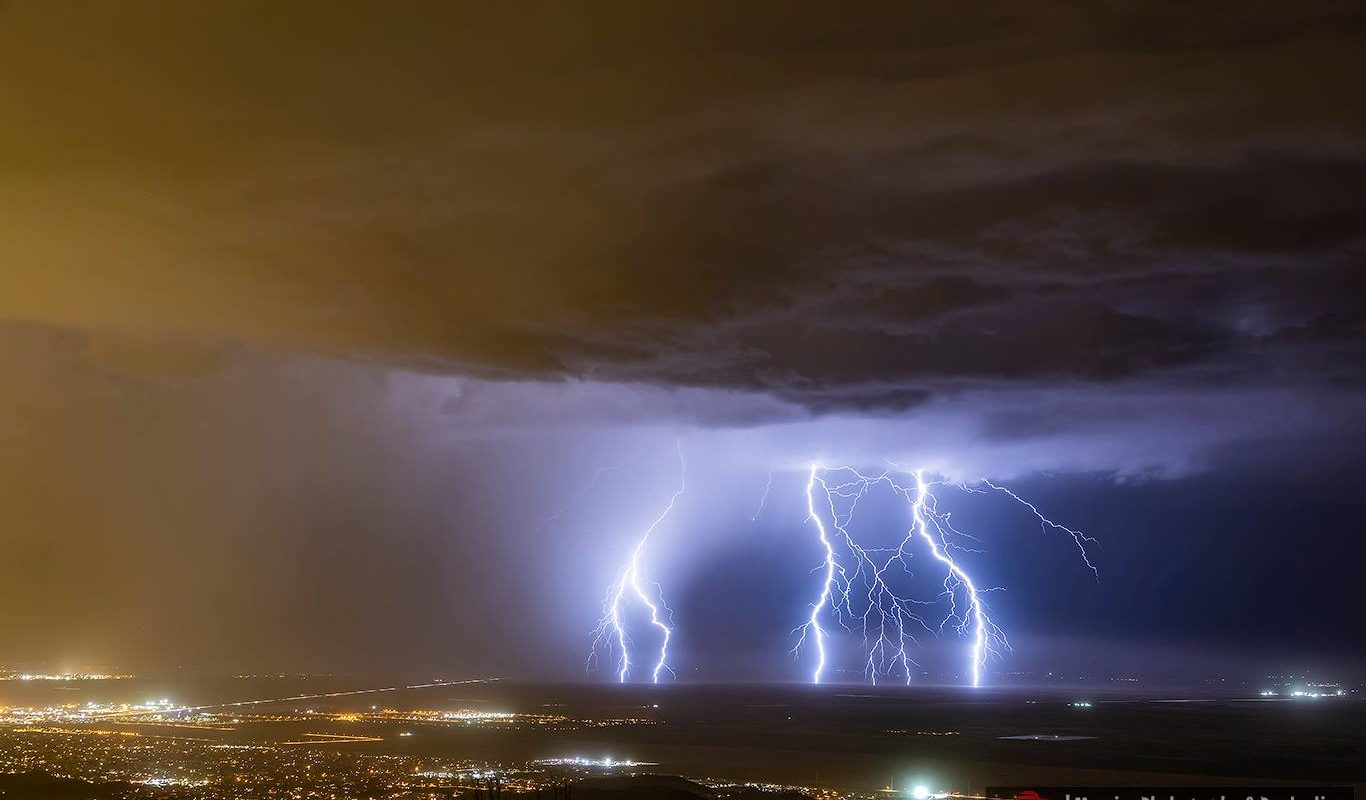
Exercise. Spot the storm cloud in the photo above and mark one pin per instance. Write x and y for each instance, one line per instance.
(847, 214)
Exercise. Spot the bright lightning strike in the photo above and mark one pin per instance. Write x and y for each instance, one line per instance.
(984, 631)
(860, 594)
(828, 587)
(886, 618)
(611, 634)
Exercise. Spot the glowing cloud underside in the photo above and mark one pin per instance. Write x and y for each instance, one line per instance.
(858, 591)
(611, 637)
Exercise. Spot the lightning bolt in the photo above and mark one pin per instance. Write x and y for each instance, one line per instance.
(886, 618)
(611, 634)
(587, 490)
(1045, 523)
(858, 593)
(763, 501)
(984, 632)
(828, 586)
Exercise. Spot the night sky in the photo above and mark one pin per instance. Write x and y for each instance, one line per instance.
(319, 321)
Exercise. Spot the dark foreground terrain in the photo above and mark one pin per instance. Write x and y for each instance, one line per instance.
(42, 786)
(860, 738)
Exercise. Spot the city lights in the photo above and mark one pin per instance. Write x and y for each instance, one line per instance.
(606, 762)
(64, 677)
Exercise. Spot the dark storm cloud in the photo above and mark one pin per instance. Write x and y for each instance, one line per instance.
(850, 211)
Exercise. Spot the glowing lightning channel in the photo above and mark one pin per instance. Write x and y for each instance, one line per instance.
(611, 631)
(885, 617)
(1078, 537)
(813, 623)
(857, 592)
(768, 487)
(922, 510)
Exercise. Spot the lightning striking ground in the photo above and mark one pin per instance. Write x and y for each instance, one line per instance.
(612, 636)
(860, 594)
(984, 631)
(813, 623)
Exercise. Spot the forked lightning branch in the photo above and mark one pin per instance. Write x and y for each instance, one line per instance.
(868, 592)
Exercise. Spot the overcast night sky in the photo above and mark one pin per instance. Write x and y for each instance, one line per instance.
(317, 323)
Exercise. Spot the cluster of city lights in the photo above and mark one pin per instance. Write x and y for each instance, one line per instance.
(922, 733)
(90, 712)
(64, 677)
(479, 716)
(606, 762)
(160, 781)
(1312, 693)
(165, 711)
